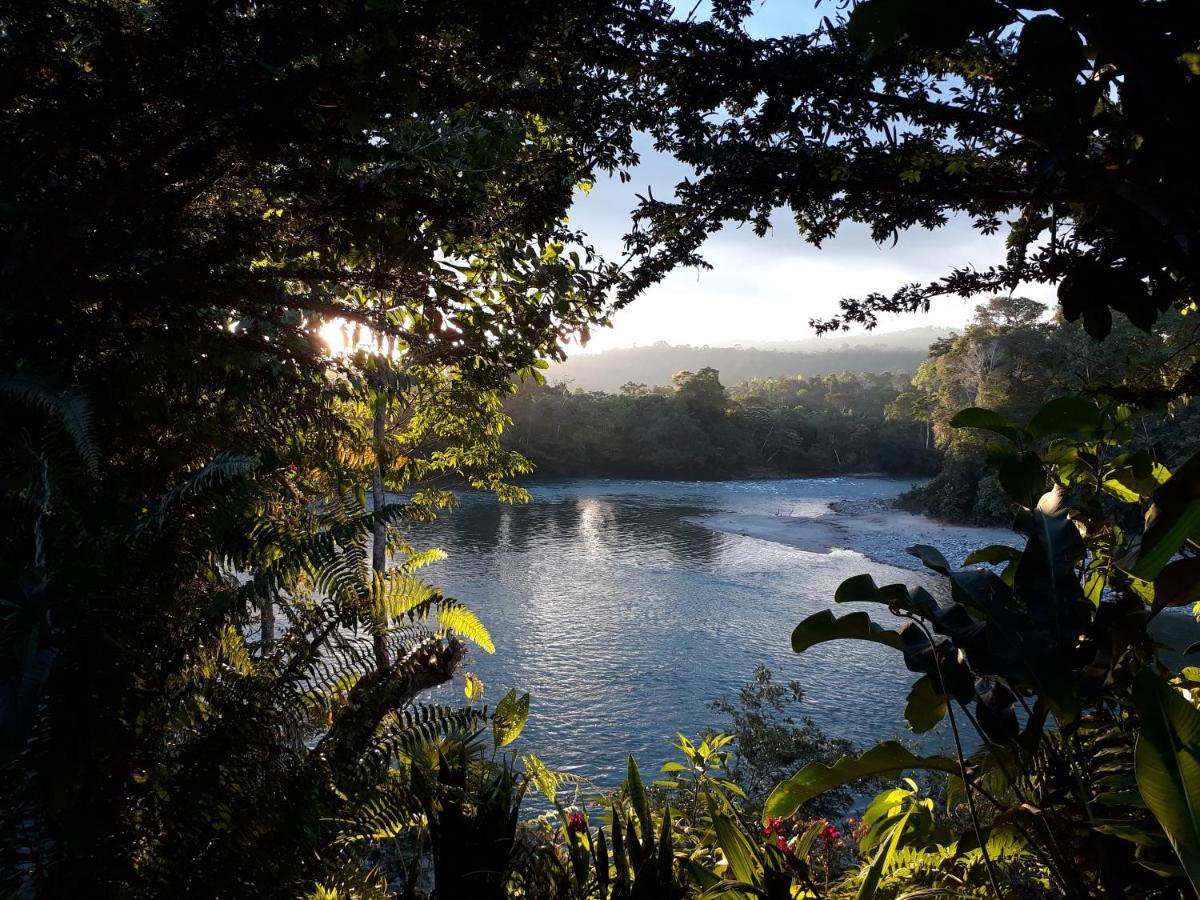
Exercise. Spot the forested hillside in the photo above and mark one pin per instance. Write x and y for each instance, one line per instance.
(1010, 361)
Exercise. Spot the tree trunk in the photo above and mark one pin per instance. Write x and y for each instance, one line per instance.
(266, 629)
(379, 536)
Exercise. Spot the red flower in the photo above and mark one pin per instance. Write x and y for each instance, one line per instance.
(773, 825)
(829, 834)
(782, 844)
(576, 824)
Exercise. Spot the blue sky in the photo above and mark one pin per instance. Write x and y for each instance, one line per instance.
(767, 289)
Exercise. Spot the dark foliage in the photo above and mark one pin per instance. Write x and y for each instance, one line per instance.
(1010, 360)
(192, 192)
(1067, 126)
(771, 739)
(698, 429)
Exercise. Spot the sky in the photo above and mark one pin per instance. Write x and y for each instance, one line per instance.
(767, 289)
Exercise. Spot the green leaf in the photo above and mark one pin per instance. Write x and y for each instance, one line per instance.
(824, 626)
(1065, 415)
(987, 420)
(1023, 478)
(993, 555)
(508, 721)
(885, 807)
(743, 861)
(804, 843)
(600, 858)
(541, 776)
(931, 557)
(1134, 832)
(882, 860)
(620, 858)
(1137, 471)
(637, 799)
(1167, 765)
(1161, 869)
(925, 707)
(1046, 573)
(1120, 491)
(710, 883)
(887, 758)
(1060, 453)
(666, 849)
(1172, 519)
(1178, 584)
(863, 589)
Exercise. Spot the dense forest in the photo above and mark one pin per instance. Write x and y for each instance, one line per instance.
(270, 269)
(1009, 359)
(698, 428)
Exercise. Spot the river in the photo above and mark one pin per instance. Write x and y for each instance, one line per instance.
(624, 618)
(624, 614)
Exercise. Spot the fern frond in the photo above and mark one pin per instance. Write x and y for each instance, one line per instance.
(421, 559)
(226, 653)
(221, 469)
(405, 733)
(70, 406)
(452, 616)
(397, 595)
(390, 809)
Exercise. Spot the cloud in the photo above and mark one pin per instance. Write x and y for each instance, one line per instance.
(767, 289)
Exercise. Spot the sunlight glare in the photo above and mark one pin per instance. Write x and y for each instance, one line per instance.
(342, 337)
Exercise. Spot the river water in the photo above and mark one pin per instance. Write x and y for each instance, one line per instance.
(624, 620)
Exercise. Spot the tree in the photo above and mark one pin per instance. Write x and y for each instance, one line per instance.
(197, 195)
(1009, 311)
(1008, 360)
(1065, 126)
(701, 393)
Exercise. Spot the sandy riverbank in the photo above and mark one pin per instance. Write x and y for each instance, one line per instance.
(869, 527)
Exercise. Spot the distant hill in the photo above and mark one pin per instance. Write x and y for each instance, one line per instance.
(905, 339)
(655, 364)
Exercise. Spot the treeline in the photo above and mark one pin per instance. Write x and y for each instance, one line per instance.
(697, 428)
(1011, 360)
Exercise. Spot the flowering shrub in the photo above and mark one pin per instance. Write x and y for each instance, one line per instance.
(576, 824)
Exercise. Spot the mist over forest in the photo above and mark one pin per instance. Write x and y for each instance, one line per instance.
(899, 351)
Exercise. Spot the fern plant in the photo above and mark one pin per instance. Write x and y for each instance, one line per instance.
(213, 634)
(264, 763)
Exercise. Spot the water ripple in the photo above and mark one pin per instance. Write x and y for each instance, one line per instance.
(624, 622)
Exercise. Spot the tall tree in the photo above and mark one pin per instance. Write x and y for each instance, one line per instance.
(1008, 360)
(196, 195)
